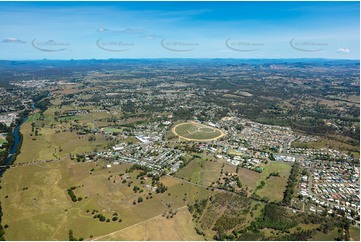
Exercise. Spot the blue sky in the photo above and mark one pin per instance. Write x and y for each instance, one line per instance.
(101, 30)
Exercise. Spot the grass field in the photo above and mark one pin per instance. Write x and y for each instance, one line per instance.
(249, 178)
(281, 167)
(274, 186)
(201, 171)
(2, 139)
(212, 172)
(355, 233)
(204, 172)
(112, 130)
(330, 236)
(192, 131)
(193, 172)
(234, 152)
(273, 189)
(42, 210)
(49, 144)
(160, 228)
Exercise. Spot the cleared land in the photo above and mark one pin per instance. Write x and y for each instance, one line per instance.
(42, 209)
(47, 139)
(2, 139)
(202, 171)
(355, 233)
(159, 228)
(112, 130)
(249, 178)
(192, 131)
(330, 236)
(275, 185)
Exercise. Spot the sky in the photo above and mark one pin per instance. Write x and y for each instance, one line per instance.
(102, 30)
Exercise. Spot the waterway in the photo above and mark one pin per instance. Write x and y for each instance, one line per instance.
(15, 145)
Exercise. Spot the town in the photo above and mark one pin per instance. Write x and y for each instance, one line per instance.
(171, 142)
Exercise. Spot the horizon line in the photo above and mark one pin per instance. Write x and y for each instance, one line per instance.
(180, 58)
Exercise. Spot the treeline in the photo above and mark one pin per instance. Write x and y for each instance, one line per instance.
(2, 231)
(185, 162)
(10, 138)
(287, 226)
(4, 153)
(197, 207)
(274, 217)
(72, 195)
(183, 114)
(72, 238)
(138, 167)
(292, 180)
(161, 188)
(43, 105)
(38, 97)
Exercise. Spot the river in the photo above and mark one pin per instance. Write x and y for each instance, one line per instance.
(15, 145)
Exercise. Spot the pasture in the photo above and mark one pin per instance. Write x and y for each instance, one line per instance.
(201, 171)
(42, 209)
(46, 139)
(3, 138)
(275, 185)
(249, 178)
(159, 228)
(112, 130)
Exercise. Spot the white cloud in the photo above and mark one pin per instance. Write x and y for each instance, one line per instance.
(343, 51)
(102, 30)
(13, 40)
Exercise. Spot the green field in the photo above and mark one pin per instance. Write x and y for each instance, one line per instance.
(112, 130)
(355, 233)
(275, 185)
(281, 167)
(68, 118)
(273, 189)
(201, 171)
(196, 132)
(330, 236)
(3, 139)
(193, 172)
(249, 178)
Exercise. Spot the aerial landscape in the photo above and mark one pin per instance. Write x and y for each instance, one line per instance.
(231, 121)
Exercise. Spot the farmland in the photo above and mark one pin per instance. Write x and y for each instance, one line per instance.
(46, 197)
(274, 185)
(159, 228)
